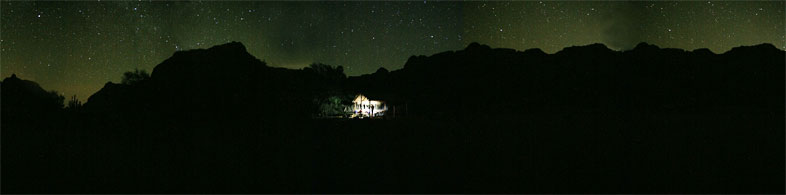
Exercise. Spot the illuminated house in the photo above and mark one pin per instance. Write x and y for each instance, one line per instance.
(364, 107)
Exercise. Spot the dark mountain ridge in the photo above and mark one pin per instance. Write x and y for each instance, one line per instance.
(228, 70)
(24, 97)
(224, 79)
(592, 77)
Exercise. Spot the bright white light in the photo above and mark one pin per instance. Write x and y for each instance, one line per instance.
(365, 107)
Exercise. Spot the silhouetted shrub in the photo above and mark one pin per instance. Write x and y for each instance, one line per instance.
(132, 78)
(56, 99)
(332, 105)
(327, 71)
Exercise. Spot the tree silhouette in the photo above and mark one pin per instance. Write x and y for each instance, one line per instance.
(55, 99)
(327, 71)
(332, 105)
(74, 103)
(135, 77)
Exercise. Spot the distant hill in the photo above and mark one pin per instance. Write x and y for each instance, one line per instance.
(226, 79)
(23, 97)
(222, 81)
(480, 79)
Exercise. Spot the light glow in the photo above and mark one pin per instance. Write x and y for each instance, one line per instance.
(364, 107)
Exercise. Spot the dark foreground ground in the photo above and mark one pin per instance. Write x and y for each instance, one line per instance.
(550, 153)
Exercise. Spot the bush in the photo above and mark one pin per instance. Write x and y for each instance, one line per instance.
(133, 78)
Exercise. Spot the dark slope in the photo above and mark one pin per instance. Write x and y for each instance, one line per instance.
(589, 119)
(30, 120)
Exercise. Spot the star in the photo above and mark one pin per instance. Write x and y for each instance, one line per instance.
(122, 35)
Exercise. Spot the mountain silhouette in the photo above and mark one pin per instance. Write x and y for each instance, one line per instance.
(591, 77)
(224, 81)
(644, 78)
(23, 97)
(476, 120)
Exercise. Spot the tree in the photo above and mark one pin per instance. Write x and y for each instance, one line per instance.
(327, 71)
(133, 78)
(55, 99)
(331, 106)
(74, 103)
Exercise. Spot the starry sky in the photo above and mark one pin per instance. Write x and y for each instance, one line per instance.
(76, 47)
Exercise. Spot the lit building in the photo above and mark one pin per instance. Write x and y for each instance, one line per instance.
(364, 107)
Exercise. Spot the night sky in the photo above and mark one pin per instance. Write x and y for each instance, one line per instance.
(76, 47)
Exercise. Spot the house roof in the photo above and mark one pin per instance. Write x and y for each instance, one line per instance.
(363, 98)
